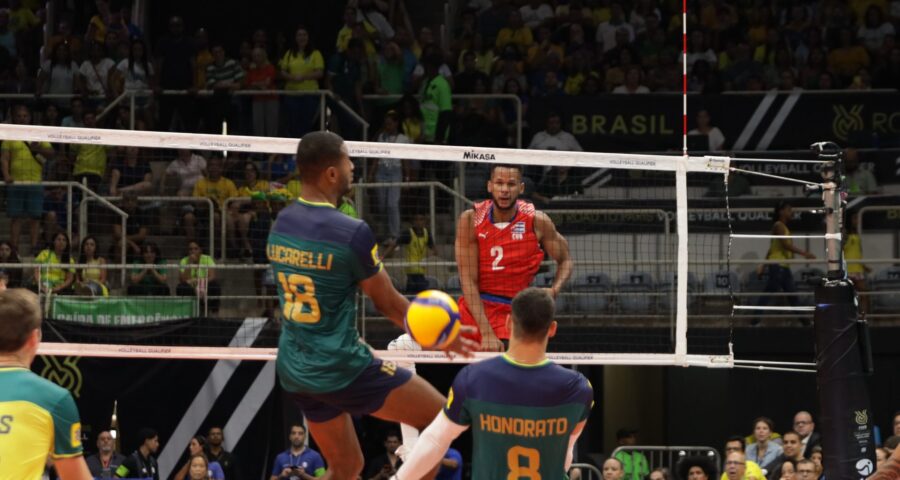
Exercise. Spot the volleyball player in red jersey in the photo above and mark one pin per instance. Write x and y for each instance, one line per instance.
(500, 244)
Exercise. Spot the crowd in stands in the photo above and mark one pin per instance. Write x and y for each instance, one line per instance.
(795, 454)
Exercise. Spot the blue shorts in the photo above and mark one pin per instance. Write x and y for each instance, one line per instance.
(365, 395)
(25, 201)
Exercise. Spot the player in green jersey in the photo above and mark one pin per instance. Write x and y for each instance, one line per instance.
(525, 412)
(320, 259)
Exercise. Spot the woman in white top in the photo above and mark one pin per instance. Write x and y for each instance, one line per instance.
(704, 127)
(57, 75)
(95, 71)
(136, 72)
(764, 450)
(390, 170)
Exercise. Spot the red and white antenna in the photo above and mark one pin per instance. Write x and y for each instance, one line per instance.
(684, 79)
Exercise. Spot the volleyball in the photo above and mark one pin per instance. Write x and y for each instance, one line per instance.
(433, 319)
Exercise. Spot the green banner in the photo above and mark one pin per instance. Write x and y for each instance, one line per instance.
(123, 312)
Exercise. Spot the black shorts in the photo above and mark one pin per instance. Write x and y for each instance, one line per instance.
(365, 395)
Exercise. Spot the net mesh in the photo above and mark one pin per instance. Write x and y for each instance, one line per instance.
(196, 211)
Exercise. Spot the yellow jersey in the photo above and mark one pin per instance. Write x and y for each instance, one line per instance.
(298, 64)
(258, 186)
(777, 248)
(49, 275)
(853, 251)
(90, 159)
(417, 251)
(218, 190)
(37, 418)
(22, 165)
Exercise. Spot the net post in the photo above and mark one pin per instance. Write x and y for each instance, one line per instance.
(681, 280)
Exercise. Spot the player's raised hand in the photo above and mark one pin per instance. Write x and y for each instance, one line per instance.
(462, 345)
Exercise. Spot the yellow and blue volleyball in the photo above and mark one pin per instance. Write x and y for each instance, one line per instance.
(433, 319)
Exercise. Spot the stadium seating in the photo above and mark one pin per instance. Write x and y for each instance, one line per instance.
(667, 285)
(718, 287)
(545, 280)
(592, 293)
(453, 285)
(637, 287)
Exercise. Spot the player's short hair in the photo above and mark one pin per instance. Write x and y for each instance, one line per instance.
(298, 424)
(532, 313)
(792, 432)
(510, 166)
(20, 314)
(804, 461)
(317, 152)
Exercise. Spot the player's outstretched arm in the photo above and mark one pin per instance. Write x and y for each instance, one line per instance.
(387, 299)
(573, 437)
(73, 468)
(557, 247)
(466, 249)
(430, 448)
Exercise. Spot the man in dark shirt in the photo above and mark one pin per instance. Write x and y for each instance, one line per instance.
(142, 463)
(466, 80)
(175, 67)
(217, 453)
(386, 465)
(103, 463)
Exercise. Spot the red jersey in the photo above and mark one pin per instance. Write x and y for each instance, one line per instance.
(508, 255)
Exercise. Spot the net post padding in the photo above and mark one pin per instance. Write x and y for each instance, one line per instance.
(848, 439)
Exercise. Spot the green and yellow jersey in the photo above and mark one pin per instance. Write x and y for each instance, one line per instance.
(319, 256)
(521, 416)
(37, 419)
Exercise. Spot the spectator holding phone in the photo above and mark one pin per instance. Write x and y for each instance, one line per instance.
(298, 462)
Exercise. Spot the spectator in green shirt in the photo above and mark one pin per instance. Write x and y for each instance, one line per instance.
(151, 280)
(55, 280)
(634, 463)
(197, 278)
(436, 99)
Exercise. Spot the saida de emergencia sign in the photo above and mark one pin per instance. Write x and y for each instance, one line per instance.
(123, 312)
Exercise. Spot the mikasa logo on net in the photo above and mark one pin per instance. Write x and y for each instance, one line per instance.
(473, 155)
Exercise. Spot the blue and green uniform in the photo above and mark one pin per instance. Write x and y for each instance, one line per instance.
(319, 256)
(521, 416)
(37, 418)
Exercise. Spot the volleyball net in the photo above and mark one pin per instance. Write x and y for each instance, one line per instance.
(649, 237)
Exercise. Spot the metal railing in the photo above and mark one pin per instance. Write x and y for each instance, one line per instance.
(668, 456)
(162, 199)
(322, 94)
(587, 471)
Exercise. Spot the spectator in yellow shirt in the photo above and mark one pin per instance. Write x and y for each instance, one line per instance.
(251, 185)
(301, 67)
(90, 159)
(218, 189)
(515, 34)
(24, 162)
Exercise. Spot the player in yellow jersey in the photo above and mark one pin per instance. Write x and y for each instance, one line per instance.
(37, 417)
(780, 276)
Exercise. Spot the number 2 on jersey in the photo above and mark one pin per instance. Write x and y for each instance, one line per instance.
(497, 255)
(295, 300)
(516, 470)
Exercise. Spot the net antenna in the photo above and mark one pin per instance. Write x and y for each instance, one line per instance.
(678, 165)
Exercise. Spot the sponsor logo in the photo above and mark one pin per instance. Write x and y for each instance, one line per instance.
(847, 121)
(518, 231)
(862, 417)
(864, 467)
(482, 235)
(473, 155)
(66, 374)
